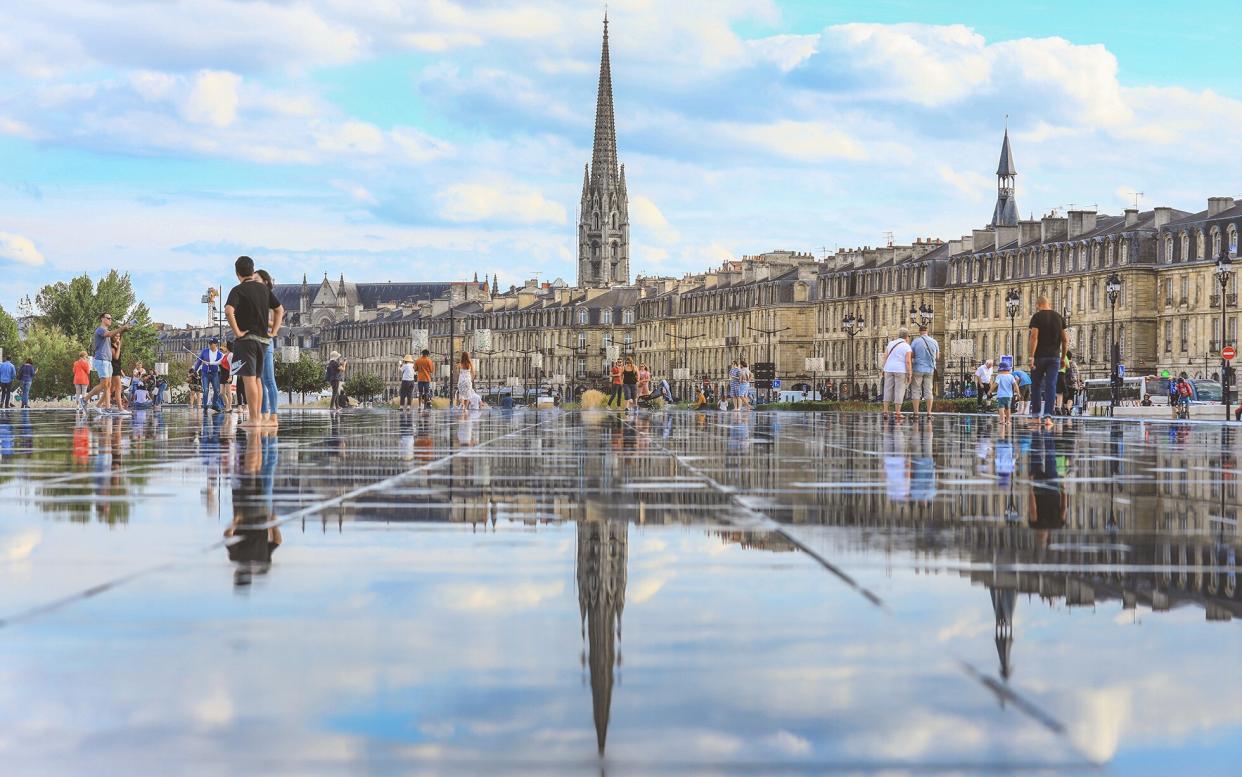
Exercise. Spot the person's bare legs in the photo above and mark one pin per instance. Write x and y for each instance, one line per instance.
(254, 394)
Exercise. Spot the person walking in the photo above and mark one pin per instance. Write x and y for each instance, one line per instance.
(408, 373)
(103, 360)
(644, 380)
(271, 394)
(196, 389)
(744, 377)
(983, 379)
(336, 373)
(210, 365)
(8, 374)
(1048, 344)
(898, 368)
(615, 373)
(424, 368)
(465, 381)
(629, 383)
(247, 308)
(81, 379)
(26, 374)
(926, 355)
(735, 385)
(118, 392)
(1006, 386)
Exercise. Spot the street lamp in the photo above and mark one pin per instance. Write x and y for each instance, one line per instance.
(1224, 269)
(922, 315)
(1013, 302)
(769, 333)
(852, 326)
(1112, 289)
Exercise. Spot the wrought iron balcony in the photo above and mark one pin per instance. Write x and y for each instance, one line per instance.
(1231, 300)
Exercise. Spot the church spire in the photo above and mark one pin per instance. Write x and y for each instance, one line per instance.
(1006, 212)
(603, 224)
(604, 152)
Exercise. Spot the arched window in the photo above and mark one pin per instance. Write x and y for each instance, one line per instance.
(1125, 251)
(583, 316)
(1215, 242)
(1168, 249)
(627, 316)
(1185, 246)
(605, 316)
(1233, 239)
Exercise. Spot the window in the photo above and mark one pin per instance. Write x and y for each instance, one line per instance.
(583, 316)
(1233, 239)
(1185, 246)
(1095, 295)
(605, 316)
(1168, 249)
(1185, 290)
(1215, 242)
(1185, 334)
(1125, 251)
(1168, 336)
(627, 316)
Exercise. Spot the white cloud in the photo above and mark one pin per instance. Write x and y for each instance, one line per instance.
(212, 98)
(803, 141)
(17, 128)
(648, 218)
(356, 192)
(438, 42)
(498, 201)
(20, 249)
(353, 136)
(418, 146)
(970, 184)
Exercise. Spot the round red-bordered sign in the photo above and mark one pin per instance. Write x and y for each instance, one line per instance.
(1228, 352)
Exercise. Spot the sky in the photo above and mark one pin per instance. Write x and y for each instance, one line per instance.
(420, 140)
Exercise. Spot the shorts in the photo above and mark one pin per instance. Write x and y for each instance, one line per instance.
(1060, 382)
(424, 388)
(103, 367)
(248, 357)
(629, 390)
(1004, 403)
(895, 386)
(921, 386)
(743, 390)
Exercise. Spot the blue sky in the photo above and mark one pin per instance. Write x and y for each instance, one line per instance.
(439, 138)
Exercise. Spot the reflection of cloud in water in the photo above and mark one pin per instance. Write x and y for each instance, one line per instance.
(475, 597)
(19, 545)
(645, 589)
(1100, 716)
(788, 743)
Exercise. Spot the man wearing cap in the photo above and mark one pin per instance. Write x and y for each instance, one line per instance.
(101, 350)
(209, 360)
(424, 368)
(407, 381)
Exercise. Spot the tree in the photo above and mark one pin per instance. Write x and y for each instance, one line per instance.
(53, 353)
(364, 386)
(8, 332)
(306, 375)
(74, 308)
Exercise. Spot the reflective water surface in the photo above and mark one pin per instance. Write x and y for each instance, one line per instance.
(571, 593)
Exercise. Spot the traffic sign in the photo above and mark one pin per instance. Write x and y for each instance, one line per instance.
(1121, 370)
(776, 383)
(1228, 352)
(764, 370)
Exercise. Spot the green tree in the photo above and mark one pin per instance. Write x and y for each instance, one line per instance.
(364, 386)
(8, 332)
(74, 308)
(303, 376)
(53, 353)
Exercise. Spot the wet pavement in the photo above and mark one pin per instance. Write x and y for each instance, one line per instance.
(571, 593)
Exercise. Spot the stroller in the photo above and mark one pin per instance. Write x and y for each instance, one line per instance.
(653, 400)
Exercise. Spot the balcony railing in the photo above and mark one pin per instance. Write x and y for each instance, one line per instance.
(1231, 300)
(732, 342)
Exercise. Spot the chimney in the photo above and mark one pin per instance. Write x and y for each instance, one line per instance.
(1028, 232)
(1163, 216)
(1052, 228)
(1131, 216)
(1005, 236)
(1081, 222)
(1218, 205)
(982, 239)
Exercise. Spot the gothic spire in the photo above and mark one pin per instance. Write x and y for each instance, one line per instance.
(604, 152)
(1006, 168)
(1005, 214)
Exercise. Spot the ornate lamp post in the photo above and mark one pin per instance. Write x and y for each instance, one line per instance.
(1224, 269)
(1112, 289)
(1013, 303)
(852, 326)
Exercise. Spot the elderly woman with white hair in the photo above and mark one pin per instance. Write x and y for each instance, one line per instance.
(336, 373)
(897, 365)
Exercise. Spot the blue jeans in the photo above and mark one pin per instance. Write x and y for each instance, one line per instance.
(1044, 386)
(269, 380)
(211, 387)
(26, 392)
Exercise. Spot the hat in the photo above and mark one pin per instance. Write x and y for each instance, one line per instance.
(334, 355)
(214, 341)
(408, 358)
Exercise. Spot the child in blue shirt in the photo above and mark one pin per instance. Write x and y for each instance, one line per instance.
(1005, 385)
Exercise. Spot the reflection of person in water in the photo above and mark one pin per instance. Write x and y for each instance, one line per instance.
(1048, 498)
(896, 465)
(251, 537)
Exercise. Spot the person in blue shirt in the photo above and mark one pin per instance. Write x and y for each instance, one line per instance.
(26, 374)
(8, 373)
(1005, 385)
(209, 373)
(1024, 390)
(926, 352)
(101, 353)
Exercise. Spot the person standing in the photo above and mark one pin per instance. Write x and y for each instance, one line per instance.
(424, 368)
(465, 381)
(81, 379)
(226, 375)
(271, 394)
(616, 375)
(1024, 390)
(629, 383)
(210, 362)
(744, 377)
(644, 380)
(8, 374)
(1006, 386)
(1048, 344)
(101, 351)
(735, 385)
(926, 356)
(196, 389)
(408, 381)
(118, 392)
(898, 368)
(247, 308)
(26, 374)
(983, 380)
(336, 372)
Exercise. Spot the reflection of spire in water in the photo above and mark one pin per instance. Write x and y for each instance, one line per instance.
(1004, 601)
(603, 551)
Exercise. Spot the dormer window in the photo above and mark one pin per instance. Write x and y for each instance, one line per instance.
(583, 316)
(627, 316)
(605, 316)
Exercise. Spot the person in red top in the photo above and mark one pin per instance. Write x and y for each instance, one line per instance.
(617, 374)
(226, 378)
(81, 378)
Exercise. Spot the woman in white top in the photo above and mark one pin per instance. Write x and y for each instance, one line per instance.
(898, 366)
(465, 381)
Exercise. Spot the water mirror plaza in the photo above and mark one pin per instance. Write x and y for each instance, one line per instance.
(577, 592)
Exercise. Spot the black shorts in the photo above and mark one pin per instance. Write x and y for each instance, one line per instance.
(247, 358)
(630, 390)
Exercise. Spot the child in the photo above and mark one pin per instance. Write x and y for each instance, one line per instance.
(1005, 385)
(81, 379)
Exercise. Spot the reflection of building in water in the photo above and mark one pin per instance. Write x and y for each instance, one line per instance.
(757, 540)
(603, 551)
(1004, 602)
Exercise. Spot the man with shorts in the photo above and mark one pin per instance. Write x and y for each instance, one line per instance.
(424, 368)
(247, 309)
(926, 353)
(101, 352)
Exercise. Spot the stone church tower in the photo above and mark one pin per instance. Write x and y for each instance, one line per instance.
(1006, 212)
(604, 221)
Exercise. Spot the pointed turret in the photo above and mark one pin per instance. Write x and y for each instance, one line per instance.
(603, 222)
(495, 285)
(1005, 214)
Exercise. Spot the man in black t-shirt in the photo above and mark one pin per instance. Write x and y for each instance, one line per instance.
(1048, 344)
(247, 307)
